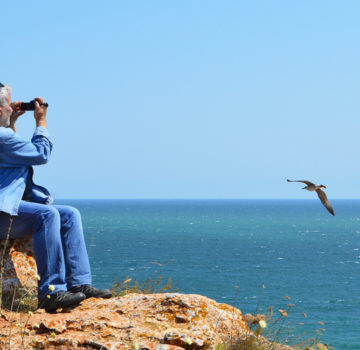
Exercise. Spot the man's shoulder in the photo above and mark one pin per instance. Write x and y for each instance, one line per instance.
(6, 133)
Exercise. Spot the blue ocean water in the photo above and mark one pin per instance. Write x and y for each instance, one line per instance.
(228, 249)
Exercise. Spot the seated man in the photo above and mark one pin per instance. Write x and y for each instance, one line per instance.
(25, 209)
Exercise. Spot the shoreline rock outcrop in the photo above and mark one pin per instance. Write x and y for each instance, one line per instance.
(167, 321)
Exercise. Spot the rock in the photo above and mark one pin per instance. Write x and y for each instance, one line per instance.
(181, 319)
(129, 322)
(19, 268)
(183, 340)
(168, 347)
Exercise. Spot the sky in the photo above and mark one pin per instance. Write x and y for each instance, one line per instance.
(189, 99)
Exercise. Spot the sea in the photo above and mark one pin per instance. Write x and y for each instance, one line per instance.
(254, 254)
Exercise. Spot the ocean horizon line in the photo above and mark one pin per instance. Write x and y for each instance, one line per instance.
(205, 199)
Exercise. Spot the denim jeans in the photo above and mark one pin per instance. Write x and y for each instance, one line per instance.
(59, 244)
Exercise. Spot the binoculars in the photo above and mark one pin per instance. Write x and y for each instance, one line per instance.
(30, 106)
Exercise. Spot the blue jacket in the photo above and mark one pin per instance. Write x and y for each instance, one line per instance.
(17, 157)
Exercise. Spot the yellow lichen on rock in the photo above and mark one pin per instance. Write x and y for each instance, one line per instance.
(153, 321)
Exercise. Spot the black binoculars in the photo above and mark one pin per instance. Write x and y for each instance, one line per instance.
(30, 106)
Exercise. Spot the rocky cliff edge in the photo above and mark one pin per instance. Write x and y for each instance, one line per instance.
(170, 321)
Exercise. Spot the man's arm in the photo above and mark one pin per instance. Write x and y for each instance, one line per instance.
(16, 152)
(39, 113)
(17, 112)
(13, 126)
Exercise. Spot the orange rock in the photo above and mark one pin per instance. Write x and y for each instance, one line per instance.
(135, 321)
(19, 266)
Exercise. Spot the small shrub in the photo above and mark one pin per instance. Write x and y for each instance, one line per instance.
(149, 286)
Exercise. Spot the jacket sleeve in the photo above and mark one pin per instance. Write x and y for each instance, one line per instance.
(17, 152)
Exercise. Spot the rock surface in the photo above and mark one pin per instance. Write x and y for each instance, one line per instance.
(19, 267)
(136, 321)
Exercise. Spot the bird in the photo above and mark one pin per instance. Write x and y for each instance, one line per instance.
(321, 194)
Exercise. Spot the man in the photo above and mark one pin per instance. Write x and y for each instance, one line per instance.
(25, 209)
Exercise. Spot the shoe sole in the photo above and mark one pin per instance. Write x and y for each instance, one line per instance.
(106, 296)
(64, 308)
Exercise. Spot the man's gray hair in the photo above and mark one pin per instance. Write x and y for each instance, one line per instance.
(4, 90)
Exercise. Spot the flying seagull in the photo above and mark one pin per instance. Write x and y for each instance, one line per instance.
(321, 194)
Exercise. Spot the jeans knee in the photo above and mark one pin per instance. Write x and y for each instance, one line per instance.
(48, 216)
(70, 213)
(50, 213)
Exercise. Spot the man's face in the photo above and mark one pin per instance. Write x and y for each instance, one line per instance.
(5, 112)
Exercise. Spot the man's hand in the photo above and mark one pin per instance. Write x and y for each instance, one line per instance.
(40, 112)
(17, 112)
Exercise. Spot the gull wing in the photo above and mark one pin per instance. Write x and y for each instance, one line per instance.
(304, 181)
(321, 194)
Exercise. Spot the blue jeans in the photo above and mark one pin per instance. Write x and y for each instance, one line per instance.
(59, 244)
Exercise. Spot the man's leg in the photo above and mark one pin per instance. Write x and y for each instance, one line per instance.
(75, 255)
(43, 223)
(78, 274)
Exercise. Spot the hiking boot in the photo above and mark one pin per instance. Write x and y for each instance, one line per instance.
(92, 292)
(60, 300)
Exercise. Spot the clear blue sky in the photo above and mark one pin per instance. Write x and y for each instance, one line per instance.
(190, 99)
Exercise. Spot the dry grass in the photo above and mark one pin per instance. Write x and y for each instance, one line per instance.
(150, 286)
(273, 331)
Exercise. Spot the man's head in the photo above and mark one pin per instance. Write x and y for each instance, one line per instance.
(5, 108)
